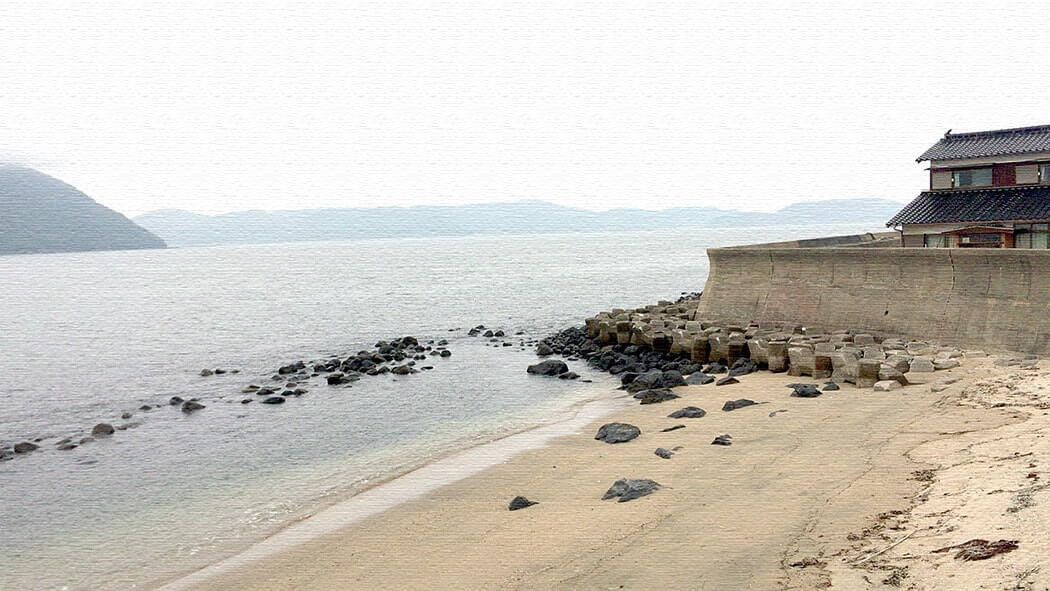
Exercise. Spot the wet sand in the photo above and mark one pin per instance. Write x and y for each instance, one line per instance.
(799, 501)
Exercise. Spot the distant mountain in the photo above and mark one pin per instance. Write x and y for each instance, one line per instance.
(183, 228)
(39, 213)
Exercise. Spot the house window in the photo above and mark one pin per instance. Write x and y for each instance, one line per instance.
(977, 177)
(933, 241)
(1044, 174)
(1031, 235)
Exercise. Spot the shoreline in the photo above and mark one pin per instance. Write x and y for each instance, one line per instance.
(460, 536)
(404, 485)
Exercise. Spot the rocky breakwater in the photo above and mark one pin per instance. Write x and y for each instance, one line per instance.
(665, 345)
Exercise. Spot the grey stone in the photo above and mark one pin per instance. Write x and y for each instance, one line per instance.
(629, 489)
(738, 403)
(887, 385)
(520, 502)
(655, 396)
(551, 367)
(664, 453)
(689, 412)
(102, 429)
(921, 365)
(617, 432)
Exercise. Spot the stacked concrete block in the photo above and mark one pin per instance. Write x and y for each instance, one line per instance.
(777, 356)
(801, 361)
(867, 372)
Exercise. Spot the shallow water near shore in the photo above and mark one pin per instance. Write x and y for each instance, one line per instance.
(87, 337)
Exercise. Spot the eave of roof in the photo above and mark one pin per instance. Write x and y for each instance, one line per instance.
(998, 142)
(988, 204)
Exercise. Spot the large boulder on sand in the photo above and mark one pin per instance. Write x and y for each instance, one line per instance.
(631, 488)
(617, 432)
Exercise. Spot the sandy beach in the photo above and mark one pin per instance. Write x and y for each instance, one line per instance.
(850, 490)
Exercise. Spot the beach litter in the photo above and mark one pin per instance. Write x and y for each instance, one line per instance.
(980, 549)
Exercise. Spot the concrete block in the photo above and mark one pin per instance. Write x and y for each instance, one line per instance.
(801, 361)
(921, 364)
(867, 372)
(777, 356)
(887, 386)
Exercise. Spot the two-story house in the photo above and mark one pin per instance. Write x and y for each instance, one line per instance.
(988, 189)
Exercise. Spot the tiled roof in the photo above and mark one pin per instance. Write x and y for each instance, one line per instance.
(990, 204)
(1018, 140)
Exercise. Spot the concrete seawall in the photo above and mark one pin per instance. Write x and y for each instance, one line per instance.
(996, 299)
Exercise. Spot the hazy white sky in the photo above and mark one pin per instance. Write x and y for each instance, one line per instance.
(219, 106)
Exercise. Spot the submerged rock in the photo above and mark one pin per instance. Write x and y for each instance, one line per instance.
(25, 447)
(274, 400)
(191, 406)
(550, 367)
(102, 429)
(631, 488)
(520, 502)
(664, 453)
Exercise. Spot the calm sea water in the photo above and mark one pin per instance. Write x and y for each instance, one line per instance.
(87, 337)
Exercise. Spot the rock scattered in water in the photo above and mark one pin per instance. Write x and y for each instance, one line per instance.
(175, 400)
(726, 439)
(689, 412)
(664, 453)
(25, 447)
(274, 400)
(550, 367)
(520, 502)
(727, 381)
(655, 396)
(102, 429)
(569, 375)
(145, 407)
(672, 428)
(543, 349)
(126, 415)
(66, 446)
(403, 370)
(738, 403)
(191, 406)
(629, 489)
(446, 353)
(246, 401)
(206, 372)
(617, 432)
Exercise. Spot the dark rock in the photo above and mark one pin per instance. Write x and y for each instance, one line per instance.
(287, 369)
(145, 407)
(715, 367)
(499, 333)
(569, 375)
(726, 439)
(219, 371)
(246, 401)
(191, 406)
(617, 432)
(831, 386)
(551, 367)
(805, 391)
(274, 400)
(488, 334)
(543, 349)
(335, 379)
(631, 488)
(655, 395)
(66, 446)
(699, 379)
(446, 353)
(403, 370)
(727, 381)
(206, 372)
(25, 447)
(664, 453)
(689, 412)
(672, 428)
(102, 429)
(738, 403)
(264, 392)
(175, 401)
(520, 503)
(742, 367)
(126, 415)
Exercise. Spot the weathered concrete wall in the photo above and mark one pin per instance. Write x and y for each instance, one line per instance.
(992, 298)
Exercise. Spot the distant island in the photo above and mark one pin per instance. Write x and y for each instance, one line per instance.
(184, 228)
(40, 214)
